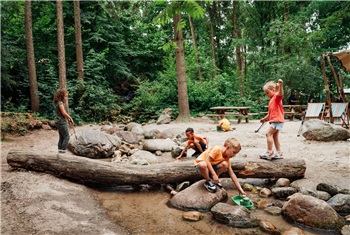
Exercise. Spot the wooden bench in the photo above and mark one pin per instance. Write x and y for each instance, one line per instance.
(216, 116)
(240, 116)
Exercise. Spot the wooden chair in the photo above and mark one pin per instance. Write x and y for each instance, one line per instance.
(340, 114)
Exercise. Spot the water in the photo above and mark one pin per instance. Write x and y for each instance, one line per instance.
(144, 210)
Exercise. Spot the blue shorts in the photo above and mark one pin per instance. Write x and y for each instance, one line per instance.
(277, 125)
(215, 167)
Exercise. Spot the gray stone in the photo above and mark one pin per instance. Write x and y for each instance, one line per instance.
(312, 212)
(282, 182)
(340, 203)
(283, 192)
(94, 144)
(274, 210)
(234, 216)
(165, 116)
(345, 230)
(144, 155)
(315, 193)
(315, 129)
(332, 190)
(197, 197)
(128, 137)
(164, 145)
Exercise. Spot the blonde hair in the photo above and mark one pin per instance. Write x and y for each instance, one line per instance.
(233, 143)
(271, 85)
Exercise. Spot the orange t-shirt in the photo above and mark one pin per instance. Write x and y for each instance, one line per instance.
(214, 154)
(199, 138)
(275, 109)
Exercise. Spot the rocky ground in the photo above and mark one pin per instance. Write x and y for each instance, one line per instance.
(39, 203)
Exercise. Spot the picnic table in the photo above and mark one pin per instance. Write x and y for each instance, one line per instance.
(241, 112)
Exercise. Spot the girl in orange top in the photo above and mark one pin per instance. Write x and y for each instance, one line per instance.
(276, 118)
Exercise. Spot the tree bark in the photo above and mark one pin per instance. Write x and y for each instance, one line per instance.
(239, 56)
(78, 45)
(91, 171)
(33, 84)
(184, 109)
(60, 45)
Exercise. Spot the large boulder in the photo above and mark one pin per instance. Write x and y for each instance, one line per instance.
(340, 203)
(315, 129)
(94, 144)
(144, 155)
(312, 212)
(234, 216)
(197, 197)
(164, 145)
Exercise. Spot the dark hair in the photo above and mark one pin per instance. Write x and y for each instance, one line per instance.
(60, 94)
(190, 129)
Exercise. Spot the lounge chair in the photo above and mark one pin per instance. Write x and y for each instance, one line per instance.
(340, 114)
(313, 111)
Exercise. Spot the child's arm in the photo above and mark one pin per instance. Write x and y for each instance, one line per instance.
(279, 87)
(235, 181)
(183, 151)
(65, 114)
(206, 140)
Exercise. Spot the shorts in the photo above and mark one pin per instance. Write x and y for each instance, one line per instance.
(277, 125)
(215, 167)
(203, 145)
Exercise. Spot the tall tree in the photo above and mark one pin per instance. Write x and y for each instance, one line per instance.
(60, 45)
(173, 11)
(78, 44)
(195, 48)
(33, 84)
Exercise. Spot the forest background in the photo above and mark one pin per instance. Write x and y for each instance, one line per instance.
(139, 57)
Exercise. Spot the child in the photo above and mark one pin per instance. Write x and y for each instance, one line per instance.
(276, 118)
(215, 161)
(224, 124)
(197, 142)
(62, 116)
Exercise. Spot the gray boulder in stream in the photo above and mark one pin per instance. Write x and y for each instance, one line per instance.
(94, 144)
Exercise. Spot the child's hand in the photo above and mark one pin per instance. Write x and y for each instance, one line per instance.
(280, 81)
(262, 120)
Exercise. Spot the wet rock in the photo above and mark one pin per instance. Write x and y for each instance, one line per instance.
(283, 192)
(340, 203)
(293, 231)
(274, 210)
(268, 227)
(197, 197)
(315, 129)
(315, 193)
(177, 151)
(182, 186)
(94, 144)
(192, 215)
(262, 204)
(247, 187)
(265, 192)
(332, 190)
(164, 145)
(128, 137)
(235, 216)
(282, 182)
(312, 212)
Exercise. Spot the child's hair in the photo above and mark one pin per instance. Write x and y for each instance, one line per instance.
(271, 85)
(60, 94)
(190, 129)
(233, 143)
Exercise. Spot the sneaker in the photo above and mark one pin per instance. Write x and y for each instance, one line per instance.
(278, 155)
(267, 155)
(210, 186)
(219, 185)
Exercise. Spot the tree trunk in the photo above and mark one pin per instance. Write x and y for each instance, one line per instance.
(195, 48)
(213, 48)
(239, 57)
(60, 45)
(33, 84)
(184, 109)
(78, 46)
(92, 171)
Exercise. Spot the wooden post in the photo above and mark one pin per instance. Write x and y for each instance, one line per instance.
(327, 88)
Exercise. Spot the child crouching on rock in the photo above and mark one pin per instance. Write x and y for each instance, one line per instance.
(215, 161)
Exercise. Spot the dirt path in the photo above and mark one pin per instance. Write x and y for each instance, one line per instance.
(39, 203)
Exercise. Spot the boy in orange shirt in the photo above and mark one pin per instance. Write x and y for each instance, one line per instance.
(276, 118)
(215, 161)
(197, 142)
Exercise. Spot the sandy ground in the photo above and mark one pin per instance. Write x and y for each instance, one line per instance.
(39, 203)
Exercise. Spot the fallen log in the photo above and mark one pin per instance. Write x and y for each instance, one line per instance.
(90, 171)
